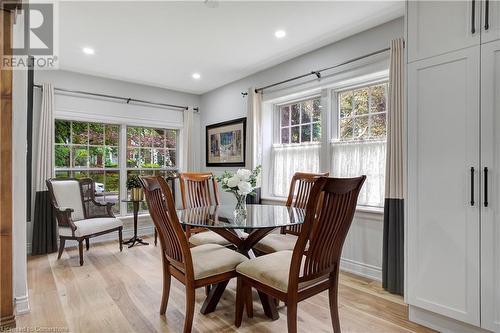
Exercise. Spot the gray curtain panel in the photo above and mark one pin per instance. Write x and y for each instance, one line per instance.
(44, 221)
(393, 247)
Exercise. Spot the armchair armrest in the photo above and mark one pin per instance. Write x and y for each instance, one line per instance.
(64, 219)
(100, 209)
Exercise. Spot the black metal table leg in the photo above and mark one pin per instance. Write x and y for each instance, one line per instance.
(135, 239)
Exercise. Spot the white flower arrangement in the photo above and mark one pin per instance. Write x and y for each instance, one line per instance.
(241, 183)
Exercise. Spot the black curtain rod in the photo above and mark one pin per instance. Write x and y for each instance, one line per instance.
(318, 72)
(125, 99)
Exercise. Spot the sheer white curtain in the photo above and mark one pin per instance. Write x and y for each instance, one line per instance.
(290, 159)
(352, 159)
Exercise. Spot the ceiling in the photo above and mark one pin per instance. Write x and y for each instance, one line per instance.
(164, 43)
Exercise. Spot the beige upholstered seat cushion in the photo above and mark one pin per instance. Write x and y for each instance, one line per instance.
(207, 237)
(91, 226)
(210, 237)
(213, 259)
(272, 270)
(276, 242)
(67, 194)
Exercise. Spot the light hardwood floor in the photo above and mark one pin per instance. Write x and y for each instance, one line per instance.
(120, 292)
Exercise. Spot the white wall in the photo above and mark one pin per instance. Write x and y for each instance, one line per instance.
(77, 107)
(19, 118)
(363, 248)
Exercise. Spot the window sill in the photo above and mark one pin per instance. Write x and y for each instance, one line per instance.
(379, 211)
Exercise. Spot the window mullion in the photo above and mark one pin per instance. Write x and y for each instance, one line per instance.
(122, 163)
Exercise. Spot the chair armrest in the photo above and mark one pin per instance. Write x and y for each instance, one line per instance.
(99, 206)
(64, 219)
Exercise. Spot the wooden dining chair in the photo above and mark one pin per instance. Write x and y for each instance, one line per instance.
(194, 267)
(298, 196)
(293, 276)
(196, 191)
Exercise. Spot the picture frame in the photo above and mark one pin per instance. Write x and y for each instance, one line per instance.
(226, 143)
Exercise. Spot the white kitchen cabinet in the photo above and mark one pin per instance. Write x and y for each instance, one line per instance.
(443, 185)
(490, 21)
(437, 27)
(490, 201)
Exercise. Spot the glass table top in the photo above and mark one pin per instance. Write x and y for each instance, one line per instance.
(257, 216)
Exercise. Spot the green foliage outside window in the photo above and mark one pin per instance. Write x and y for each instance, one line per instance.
(89, 150)
(362, 113)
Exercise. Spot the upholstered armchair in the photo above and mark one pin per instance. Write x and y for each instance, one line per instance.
(79, 216)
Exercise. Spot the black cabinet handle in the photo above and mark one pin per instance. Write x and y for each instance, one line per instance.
(487, 15)
(472, 186)
(473, 17)
(485, 187)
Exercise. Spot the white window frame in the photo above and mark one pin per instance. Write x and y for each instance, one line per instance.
(122, 122)
(277, 126)
(335, 110)
(139, 169)
(371, 75)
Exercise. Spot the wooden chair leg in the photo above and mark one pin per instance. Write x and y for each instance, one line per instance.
(333, 298)
(87, 243)
(188, 321)
(291, 316)
(62, 242)
(156, 237)
(166, 288)
(249, 300)
(240, 290)
(207, 289)
(80, 250)
(120, 238)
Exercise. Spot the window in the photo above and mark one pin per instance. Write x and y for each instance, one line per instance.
(300, 122)
(357, 123)
(89, 150)
(360, 146)
(150, 151)
(94, 150)
(299, 126)
(362, 113)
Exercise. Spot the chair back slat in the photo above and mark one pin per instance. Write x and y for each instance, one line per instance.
(298, 196)
(162, 210)
(329, 215)
(196, 188)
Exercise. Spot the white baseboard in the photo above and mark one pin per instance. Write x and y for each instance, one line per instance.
(440, 323)
(361, 269)
(22, 305)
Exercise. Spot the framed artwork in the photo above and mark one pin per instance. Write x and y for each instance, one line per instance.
(225, 143)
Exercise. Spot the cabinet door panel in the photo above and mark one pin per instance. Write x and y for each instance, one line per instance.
(443, 144)
(493, 31)
(438, 27)
(490, 214)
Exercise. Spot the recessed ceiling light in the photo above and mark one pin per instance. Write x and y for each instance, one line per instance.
(196, 76)
(88, 50)
(280, 33)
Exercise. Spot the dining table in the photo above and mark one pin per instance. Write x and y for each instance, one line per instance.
(242, 228)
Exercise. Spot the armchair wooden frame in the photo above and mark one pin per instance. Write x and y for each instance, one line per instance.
(91, 209)
(329, 214)
(176, 255)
